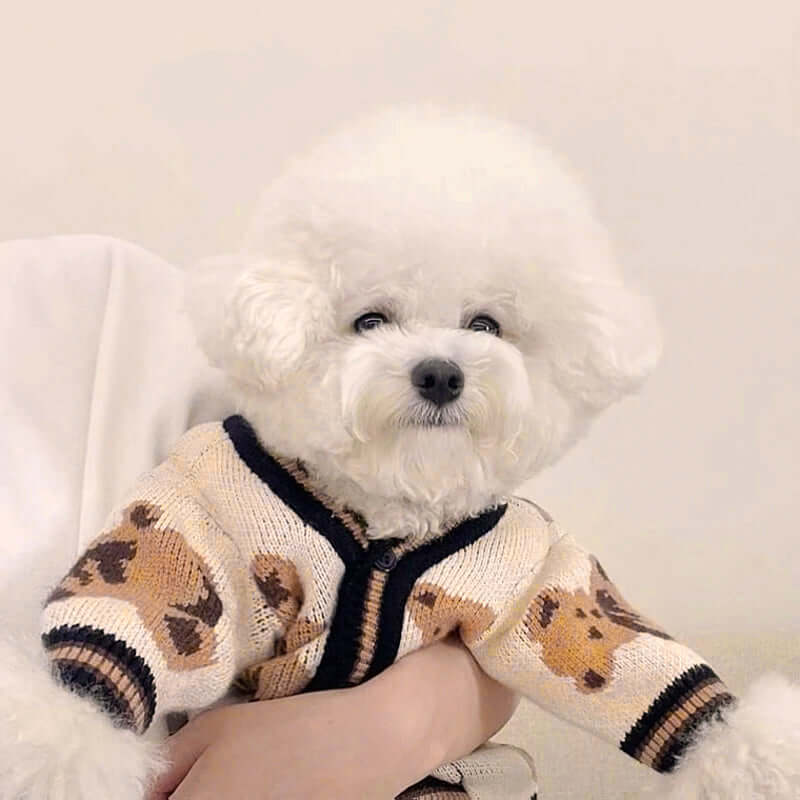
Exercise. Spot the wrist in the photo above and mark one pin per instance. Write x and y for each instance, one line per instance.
(436, 705)
(408, 738)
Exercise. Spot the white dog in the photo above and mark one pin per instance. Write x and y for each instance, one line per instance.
(434, 226)
(424, 315)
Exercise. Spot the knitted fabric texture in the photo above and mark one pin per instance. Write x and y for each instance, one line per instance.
(224, 567)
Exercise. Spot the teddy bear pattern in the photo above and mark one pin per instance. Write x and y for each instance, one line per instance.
(580, 631)
(285, 672)
(185, 633)
(156, 570)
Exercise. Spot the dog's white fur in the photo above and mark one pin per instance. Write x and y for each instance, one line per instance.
(55, 745)
(430, 218)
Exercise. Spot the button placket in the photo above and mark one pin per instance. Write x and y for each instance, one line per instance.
(386, 561)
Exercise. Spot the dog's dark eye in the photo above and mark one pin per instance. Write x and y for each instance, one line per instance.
(484, 324)
(369, 321)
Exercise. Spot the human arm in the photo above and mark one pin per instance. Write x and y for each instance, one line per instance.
(370, 741)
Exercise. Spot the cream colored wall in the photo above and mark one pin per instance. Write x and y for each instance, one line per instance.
(158, 122)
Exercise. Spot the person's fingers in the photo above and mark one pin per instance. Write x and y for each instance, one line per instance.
(182, 750)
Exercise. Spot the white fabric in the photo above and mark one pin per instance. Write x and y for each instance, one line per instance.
(493, 772)
(100, 375)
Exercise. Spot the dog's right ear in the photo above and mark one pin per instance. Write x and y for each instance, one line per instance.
(254, 320)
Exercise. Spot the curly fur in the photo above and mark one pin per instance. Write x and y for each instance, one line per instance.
(430, 217)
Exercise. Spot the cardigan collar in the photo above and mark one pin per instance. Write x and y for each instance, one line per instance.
(345, 528)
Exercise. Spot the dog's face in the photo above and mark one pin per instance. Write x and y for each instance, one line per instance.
(425, 308)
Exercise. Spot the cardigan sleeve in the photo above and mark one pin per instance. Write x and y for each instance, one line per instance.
(152, 617)
(570, 643)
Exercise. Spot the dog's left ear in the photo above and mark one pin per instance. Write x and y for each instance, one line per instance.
(255, 320)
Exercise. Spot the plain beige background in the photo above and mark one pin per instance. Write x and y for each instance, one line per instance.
(159, 122)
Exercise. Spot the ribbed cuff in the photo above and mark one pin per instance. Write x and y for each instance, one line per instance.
(95, 663)
(666, 729)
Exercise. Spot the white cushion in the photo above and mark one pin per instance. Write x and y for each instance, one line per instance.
(100, 376)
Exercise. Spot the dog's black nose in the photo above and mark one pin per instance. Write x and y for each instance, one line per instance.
(437, 380)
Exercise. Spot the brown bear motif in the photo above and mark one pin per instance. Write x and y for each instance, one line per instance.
(437, 613)
(279, 584)
(154, 569)
(580, 631)
(285, 673)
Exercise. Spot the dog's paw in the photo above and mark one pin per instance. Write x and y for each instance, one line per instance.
(55, 745)
(753, 753)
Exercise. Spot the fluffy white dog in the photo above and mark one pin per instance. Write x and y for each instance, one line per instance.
(419, 230)
(424, 315)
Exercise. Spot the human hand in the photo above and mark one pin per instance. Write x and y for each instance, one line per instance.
(370, 742)
(322, 745)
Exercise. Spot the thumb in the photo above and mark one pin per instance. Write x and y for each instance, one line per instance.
(181, 750)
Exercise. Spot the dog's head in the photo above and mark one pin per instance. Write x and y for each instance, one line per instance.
(425, 307)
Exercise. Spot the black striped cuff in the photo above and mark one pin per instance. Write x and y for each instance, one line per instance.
(95, 663)
(662, 734)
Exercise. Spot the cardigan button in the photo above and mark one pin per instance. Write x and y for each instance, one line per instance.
(386, 561)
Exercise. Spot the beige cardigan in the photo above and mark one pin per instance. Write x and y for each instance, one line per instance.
(225, 567)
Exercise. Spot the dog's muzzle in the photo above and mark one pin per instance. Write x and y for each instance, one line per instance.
(438, 380)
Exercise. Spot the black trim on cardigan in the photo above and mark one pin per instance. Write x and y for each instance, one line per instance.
(341, 647)
(309, 508)
(86, 681)
(669, 700)
(408, 570)
(83, 678)
(669, 755)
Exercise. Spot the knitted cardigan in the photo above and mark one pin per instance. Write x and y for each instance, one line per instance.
(224, 567)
